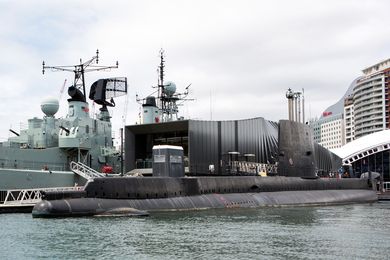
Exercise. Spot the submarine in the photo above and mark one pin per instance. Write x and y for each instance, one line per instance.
(176, 164)
(170, 188)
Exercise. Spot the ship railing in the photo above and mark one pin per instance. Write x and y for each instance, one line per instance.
(107, 151)
(27, 197)
(85, 171)
(251, 167)
(29, 165)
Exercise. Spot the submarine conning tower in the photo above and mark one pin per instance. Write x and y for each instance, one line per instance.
(296, 150)
(168, 161)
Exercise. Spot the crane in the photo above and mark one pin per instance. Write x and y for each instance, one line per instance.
(62, 89)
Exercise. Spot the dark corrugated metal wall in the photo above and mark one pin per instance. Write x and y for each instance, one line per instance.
(210, 141)
(326, 161)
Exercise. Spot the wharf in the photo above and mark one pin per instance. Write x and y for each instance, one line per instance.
(384, 196)
(23, 200)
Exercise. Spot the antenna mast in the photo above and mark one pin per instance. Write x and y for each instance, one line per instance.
(168, 99)
(160, 83)
(80, 69)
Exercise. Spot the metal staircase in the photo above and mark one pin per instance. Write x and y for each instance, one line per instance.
(85, 171)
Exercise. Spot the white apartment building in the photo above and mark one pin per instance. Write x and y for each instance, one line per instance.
(349, 120)
(370, 100)
(332, 131)
(364, 109)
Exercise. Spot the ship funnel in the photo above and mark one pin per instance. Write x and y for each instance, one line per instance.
(150, 101)
(150, 112)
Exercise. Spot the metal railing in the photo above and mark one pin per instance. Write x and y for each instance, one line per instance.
(85, 171)
(31, 165)
(27, 197)
(386, 186)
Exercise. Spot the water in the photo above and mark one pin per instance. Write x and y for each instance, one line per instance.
(334, 232)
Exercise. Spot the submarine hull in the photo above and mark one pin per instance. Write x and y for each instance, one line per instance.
(98, 206)
(101, 196)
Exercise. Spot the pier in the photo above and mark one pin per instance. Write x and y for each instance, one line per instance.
(385, 195)
(23, 200)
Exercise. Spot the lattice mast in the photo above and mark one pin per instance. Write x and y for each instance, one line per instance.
(167, 95)
(79, 70)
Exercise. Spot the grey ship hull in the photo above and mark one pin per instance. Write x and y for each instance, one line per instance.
(35, 168)
(31, 179)
(97, 206)
(142, 195)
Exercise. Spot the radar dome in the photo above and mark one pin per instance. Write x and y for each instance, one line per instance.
(169, 88)
(50, 106)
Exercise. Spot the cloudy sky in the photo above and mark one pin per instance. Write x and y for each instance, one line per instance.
(239, 56)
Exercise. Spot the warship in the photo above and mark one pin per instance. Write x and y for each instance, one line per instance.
(40, 156)
(186, 169)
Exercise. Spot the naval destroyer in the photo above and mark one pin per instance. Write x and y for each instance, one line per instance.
(40, 156)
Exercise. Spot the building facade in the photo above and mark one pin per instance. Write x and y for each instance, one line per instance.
(208, 145)
(371, 100)
(332, 131)
(371, 153)
(364, 109)
(349, 120)
(329, 129)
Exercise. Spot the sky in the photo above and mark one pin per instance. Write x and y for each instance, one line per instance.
(240, 57)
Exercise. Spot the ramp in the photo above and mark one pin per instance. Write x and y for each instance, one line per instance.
(85, 171)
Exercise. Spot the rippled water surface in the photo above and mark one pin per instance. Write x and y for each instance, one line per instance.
(334, 232)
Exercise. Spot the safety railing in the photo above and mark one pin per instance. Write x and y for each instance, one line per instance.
(85, 171)
(386, 186)
(27, 197)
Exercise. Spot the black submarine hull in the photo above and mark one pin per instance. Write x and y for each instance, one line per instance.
(96, 206)
(137, 196)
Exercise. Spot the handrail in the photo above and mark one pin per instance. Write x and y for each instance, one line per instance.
(20, 197)
(386, 185)
(84, 171)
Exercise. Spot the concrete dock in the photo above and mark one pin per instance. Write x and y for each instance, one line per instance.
(384, 196)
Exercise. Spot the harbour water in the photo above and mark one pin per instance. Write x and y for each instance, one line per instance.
(359, 231)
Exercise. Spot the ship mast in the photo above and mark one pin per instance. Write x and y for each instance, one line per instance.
(160, 83)
(80, 69)
(167, 99)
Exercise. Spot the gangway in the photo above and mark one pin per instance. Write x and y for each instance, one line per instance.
(23, 200)
(85, 171)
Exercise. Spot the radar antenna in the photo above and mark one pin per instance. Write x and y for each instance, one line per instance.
(103, 90)
(164, 107)
(80, 69)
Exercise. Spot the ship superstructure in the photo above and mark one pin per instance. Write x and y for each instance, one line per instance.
(39, 156)
(165, 106)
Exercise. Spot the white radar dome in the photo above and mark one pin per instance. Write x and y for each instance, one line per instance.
(169, 88)
(50, 106)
